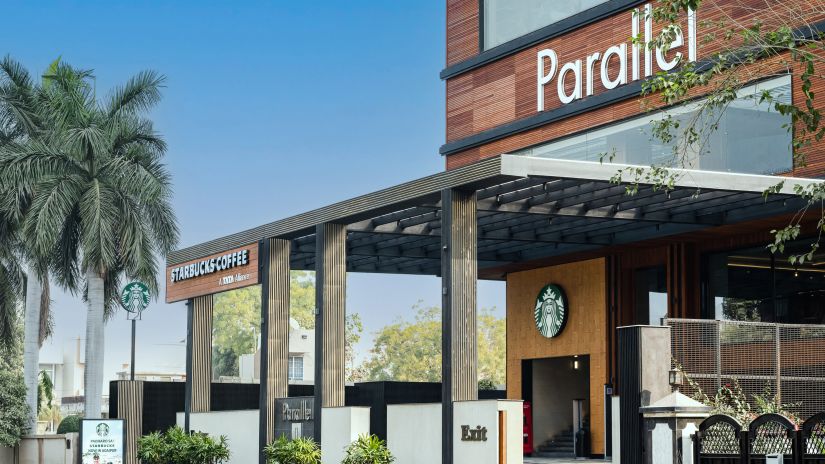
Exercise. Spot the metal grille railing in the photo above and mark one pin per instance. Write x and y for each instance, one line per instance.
(785, 362)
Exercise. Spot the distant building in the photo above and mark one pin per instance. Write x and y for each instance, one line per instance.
(301, 358)
(65, 369)
(151, 376)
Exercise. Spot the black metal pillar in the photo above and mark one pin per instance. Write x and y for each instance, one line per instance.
(459, 276)
(187, 407)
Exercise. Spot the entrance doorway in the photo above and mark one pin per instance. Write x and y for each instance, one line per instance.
(559, 390)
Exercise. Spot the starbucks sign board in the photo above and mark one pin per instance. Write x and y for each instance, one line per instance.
(551, 310)
(101, 441)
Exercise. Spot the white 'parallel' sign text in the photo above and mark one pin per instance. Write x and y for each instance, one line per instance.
(548, 61)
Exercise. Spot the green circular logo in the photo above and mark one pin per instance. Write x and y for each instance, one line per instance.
(135, 297)
(551, 310)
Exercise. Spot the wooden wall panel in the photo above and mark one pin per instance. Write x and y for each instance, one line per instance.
(275, 317)
(130, 408)
(211, 283)
(586, 331)
(459, 283)
(201, 399)
(462, 30)
(330, 316)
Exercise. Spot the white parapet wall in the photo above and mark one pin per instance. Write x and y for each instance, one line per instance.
(36, 449)
(414, 433)
(239, 427)
(484, 431)
(339, 428)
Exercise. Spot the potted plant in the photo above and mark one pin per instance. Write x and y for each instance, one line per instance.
(368, 449)
(297, 451)
(178, 447)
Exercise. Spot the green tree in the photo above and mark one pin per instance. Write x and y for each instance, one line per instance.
(14, 412)
(408, 350)
(492, 348)
(100, 194)
(750, 44)
(21, 99)
(237, 321)
(302, 298)
(354, 328)
(411, 350)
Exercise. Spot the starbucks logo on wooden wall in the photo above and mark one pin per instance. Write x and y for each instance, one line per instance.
(551, 310)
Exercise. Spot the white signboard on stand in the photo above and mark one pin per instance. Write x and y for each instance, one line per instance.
(102, 441)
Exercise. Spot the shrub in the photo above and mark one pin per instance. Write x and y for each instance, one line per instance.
(70, 424)
(177, 447)
(14, 413)
(368, 449)
(297, 451)
(486, 384)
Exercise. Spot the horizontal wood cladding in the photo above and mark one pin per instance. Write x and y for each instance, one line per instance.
(506, 90)
(213, 282)
(462, 30)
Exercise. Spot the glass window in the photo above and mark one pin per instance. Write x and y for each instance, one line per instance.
(650, 286)
(296, 368)
(754, 285)
(505, 20)
(751, 137)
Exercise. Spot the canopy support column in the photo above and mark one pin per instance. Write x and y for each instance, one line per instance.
(330, 313)
(273, 256)
(459, 275)
(198, 356)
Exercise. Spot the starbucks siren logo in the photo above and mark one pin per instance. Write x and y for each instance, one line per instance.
(551, 311)
(135, 297)
(102, 430)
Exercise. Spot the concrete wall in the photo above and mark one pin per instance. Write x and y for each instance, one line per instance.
(239, 427)
(555, 385)
(339, 428)
(414, 433)
(585, 333)
(42, 449)
(486, 414)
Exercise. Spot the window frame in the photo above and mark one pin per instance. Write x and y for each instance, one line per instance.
(291, 367)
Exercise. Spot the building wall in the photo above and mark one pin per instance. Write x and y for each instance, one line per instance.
(504, 90)
(239, 427)
(585, 333)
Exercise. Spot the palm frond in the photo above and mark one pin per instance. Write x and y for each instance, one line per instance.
(53, 202)
(140, 93)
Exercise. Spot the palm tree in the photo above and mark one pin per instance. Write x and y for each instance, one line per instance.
(12, 283)
(100, 195)
(19, 122)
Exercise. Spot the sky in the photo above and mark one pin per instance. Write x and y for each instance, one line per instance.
(271, 108)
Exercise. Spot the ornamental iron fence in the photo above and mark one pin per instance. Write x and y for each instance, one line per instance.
(784, 363)
(722, 439)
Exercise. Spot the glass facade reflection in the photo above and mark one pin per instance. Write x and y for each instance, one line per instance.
(754, 285)
(750, 137)
(505, 20)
